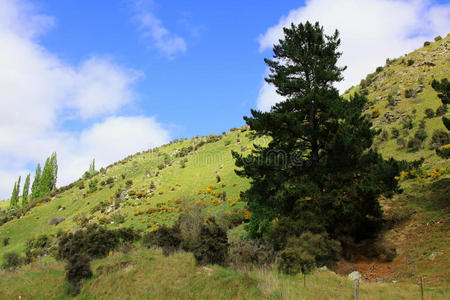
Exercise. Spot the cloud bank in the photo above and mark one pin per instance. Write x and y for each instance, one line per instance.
(371, 31)
(39, 94)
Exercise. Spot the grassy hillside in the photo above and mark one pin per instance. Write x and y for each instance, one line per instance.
(149, 189)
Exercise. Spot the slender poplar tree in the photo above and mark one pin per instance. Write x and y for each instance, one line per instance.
(36, 183)
(26, 189)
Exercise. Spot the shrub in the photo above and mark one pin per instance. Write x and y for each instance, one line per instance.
(94, 240)
(227, 142)
(439, 138)
(375, 113)
(92, 185)
(212, 245)
(441, 110)
(395, 132)
(379, 69)
(427, 43)
(429, 113)
(384, 135)
(444, 151)
(438, 38)
(391, 100)
(414, 144)
(78, 268)
(295, 260)
(407, 122)
(189, 224)
(12, 260)
(129, 183)
(410, 93)
(167, 238)
(410, 62)
(5, 241)
(257, 252)
(422, 124)
(421, 134)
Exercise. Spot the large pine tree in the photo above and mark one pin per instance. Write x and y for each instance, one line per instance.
(317, 173)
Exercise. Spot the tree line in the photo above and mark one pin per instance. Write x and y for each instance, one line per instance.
(43, 183)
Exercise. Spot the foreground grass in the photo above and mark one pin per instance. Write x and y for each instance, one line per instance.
(146, 274)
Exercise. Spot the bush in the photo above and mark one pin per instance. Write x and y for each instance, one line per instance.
(410, 62)
(407, 122)
(78, 268)
(375, 113)
(12, 260)
(414, 144)
(212, 245)
(429, 113)
(439, 139)
(395, 132)
(379, 69)
(384, 135)
(410, 93)
(444, 151)
(441, 110)
(438, 38)
(391, 100)
(94, 240)
(421, 134)
(5, 241)
(189, 224)
(295, 260)
(427, 43)
(167, 238)
(257, 252)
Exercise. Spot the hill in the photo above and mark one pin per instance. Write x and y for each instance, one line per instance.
(149, 189)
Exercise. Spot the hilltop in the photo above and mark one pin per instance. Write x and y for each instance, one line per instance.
(150, 189)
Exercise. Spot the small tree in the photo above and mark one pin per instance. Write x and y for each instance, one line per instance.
(36, 183)
(26, 189)
(443, 90)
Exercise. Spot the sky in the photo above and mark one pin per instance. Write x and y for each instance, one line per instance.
(105, 79)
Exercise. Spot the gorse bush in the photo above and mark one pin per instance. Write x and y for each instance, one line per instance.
(78, 268)
(439, 138)
(12, 260)
(429, 113)
(212, 244)
(167, 238)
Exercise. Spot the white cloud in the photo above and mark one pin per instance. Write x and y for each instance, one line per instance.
(371, 31)
(152, 28)
(38, 92)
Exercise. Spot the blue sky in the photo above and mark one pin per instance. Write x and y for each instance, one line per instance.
(105, 79)
(205, 89)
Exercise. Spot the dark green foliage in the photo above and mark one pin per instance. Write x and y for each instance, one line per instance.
(379, 69)
(407, 122)
(167, 238)
(26, 189)
(304, 253)
(294, 261)
(316, 174)
(414, 144)
(129, 183)
(92, 185)
(410, 93)
(421, 134)
(212, 244)
(5, 241)
(441, 110)
(439, 138)
(384, 135)
(11, 261)
(395, 132)
(429, 113)
(91, 172)
(49, 176)
(94, 240)
(410, 62)
(443, 90)
(78, 268)
(36, 183)
(427, 43)
(391, 100)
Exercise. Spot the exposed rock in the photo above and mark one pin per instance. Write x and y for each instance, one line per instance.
(354, 276)
(389, 118)
(434, 255)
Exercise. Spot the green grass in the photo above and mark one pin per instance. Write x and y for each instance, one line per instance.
(146, 274)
